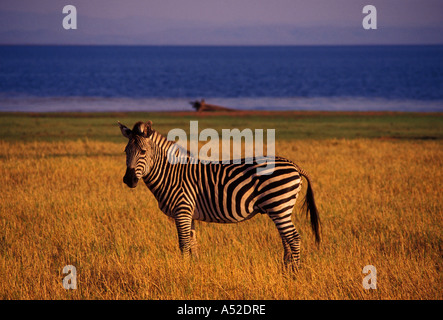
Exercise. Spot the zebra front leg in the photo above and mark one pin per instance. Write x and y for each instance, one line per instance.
(194, 245)
(183, 222)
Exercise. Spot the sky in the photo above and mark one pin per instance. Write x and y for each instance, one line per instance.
(221, 22)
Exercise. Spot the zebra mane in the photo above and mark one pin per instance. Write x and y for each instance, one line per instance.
(164, 144)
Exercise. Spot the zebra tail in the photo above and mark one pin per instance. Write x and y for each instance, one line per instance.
(311, 208)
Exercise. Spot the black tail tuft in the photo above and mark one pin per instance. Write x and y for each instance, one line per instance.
(310, 207)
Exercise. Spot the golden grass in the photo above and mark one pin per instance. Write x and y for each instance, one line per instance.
(64, 203)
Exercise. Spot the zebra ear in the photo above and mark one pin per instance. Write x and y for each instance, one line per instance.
(148, 129)
(125, 130)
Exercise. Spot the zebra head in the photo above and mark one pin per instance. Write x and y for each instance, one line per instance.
(138, 151)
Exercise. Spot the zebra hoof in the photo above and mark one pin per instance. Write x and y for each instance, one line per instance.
(292, 267)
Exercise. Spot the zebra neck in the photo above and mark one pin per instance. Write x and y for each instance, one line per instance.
(158, 168)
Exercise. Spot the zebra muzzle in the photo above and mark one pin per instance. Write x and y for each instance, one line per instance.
(130, 178)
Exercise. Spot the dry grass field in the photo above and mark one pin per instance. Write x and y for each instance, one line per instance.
(63, 202)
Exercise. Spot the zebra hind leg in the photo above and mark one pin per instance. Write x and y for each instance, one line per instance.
(287, 255)
(290, 239)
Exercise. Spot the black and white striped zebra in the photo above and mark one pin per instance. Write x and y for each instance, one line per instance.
(212, 192)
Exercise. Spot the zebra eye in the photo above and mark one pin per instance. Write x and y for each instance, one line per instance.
(142, 152)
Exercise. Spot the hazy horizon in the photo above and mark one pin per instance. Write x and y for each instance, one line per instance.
(227, 23)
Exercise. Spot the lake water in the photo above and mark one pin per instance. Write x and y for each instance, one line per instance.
(149, 78)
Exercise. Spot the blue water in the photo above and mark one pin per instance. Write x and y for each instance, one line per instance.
(118, 78)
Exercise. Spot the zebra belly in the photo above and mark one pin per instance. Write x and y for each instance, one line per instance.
(218, 217)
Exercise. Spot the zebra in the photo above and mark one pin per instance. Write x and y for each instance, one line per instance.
(217, 192)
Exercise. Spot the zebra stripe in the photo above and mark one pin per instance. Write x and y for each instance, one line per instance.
(221, 193)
